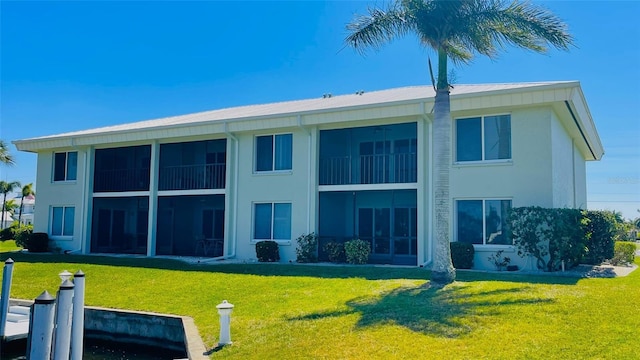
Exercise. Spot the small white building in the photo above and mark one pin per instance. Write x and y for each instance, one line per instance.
(344, 167)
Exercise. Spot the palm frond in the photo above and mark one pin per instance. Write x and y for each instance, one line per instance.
(5, 157)
(377, 28)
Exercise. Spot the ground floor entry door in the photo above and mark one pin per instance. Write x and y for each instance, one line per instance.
(392, 233)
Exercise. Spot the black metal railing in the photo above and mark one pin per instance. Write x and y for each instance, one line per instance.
(369, 169)
(114, 180)
(192, 177)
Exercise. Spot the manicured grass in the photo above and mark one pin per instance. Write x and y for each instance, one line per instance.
(8, 245)
(334, 312)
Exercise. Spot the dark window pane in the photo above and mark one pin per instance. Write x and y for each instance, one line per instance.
(72, 165)
(262, 226)
(264, 153)
(497, 137)
(496, 212)
(365, 223)
(468, 139)
(69, 214)
(56, 221)
(59, 166)
(470, 221)
(283, 152)
(282, 221)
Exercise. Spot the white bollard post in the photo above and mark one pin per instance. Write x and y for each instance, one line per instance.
(224, 310)
(41, 327)
(7, 274)
(62, 342)
(77, 322)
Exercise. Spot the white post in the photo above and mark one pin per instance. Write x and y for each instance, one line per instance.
(7, 274)
(224, 310)
(62, 343)
(41, 327)
(77, 322)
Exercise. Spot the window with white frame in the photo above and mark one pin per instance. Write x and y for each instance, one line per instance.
(483, 222)
(65, 166)
(62, 219)
(483, 138)
(272, 221)
(273, 152)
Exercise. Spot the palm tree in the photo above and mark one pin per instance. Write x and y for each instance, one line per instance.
(10, 206)
(6, 188)
(456, 30)
(26, 191)
(5, 157)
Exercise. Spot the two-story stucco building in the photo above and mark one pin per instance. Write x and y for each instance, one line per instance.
(344, 167)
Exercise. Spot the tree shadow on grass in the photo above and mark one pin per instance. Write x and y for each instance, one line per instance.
(368, 272)
(450, 312)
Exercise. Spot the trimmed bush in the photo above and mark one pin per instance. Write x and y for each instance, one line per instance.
(307, 249)
(38, 242)
(462, 255)
(8, 233)
(624, 252)
(335, 252)
(551, 236)
(267, 251)
(600, 230)
(357, 251)
(22, 235)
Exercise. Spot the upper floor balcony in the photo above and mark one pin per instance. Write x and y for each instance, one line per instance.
(369, 155)
(193, 165)
(122, 169)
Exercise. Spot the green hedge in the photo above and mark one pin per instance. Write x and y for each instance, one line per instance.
(462, 255)
(600, 231)
(267, 251)
(37, 242)
(624, 252)
(357, 251)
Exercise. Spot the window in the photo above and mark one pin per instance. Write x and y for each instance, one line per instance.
(272, 221)
(273, 152)
(483, 138)
(65, 166)
(483, 222)
(62, 218)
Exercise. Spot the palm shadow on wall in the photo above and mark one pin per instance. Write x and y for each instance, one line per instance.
(448, 312)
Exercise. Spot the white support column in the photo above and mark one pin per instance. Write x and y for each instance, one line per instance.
(153, 198)
(77, 323)
(41, 327)
(87, 205)
(64, 306)
(7, 275)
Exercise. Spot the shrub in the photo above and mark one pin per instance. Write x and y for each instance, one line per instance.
(498, 260)
(38, 242)
(600, 230)
(357, 251)
(624, 252)
(551, 236)
(307, 249)
(335, 252)
(7, 233)
(462, 255)
(267, 251)
(23, 234)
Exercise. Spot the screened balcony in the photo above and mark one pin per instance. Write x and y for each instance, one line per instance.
(122, 169)
(193, 165)
(368, 155)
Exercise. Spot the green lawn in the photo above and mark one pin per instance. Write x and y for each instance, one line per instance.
(333, 312)
(8, 245)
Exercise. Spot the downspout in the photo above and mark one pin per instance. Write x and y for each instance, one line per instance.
(234, 225)
(308, 173)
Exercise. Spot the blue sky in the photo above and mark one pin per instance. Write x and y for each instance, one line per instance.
(75, 65)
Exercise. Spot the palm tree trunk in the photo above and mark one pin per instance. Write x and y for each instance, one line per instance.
(442, 271)
(20, 213)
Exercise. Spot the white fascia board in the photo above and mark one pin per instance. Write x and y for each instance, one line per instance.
(580, 109)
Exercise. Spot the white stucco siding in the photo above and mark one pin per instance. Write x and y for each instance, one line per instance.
(580, 167)
(562, 163)
(526, 179)
(60, 194)
(274, 187)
